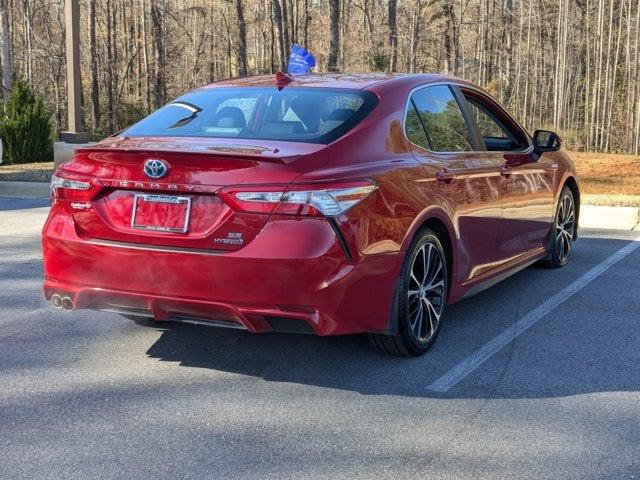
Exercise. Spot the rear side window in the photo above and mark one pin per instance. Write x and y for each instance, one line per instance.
(439, 113)
(314, 115)
(414, 128)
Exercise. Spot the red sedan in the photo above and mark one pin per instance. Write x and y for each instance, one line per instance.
(333, 204)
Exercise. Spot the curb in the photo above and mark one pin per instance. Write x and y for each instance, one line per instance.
(24, 189)
(610, 218)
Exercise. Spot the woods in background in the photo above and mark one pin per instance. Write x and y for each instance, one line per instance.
(569, 65)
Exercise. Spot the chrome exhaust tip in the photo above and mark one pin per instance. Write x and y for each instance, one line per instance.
(67, 304)
(56, 301)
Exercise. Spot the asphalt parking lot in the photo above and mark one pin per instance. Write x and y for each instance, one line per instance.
(92, 395)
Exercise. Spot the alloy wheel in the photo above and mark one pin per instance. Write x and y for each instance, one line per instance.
(426, 292)
(565, 227)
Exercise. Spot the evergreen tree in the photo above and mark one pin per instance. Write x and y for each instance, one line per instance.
(25, 127)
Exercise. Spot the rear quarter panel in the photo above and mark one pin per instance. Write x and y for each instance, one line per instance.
(377, 149)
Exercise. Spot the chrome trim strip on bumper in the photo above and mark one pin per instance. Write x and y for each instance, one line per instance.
(155, 248)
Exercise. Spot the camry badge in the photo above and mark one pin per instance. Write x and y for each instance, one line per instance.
(155, 168)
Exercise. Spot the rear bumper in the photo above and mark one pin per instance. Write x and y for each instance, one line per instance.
(293, 276)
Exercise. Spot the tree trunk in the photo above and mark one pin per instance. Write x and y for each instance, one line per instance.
(280, 33)
(451, 38)
(334, 35)
(158, 27)
(28, 40)
(305, 27)
(415, 35)
(242, 39)
(110, 68)
(393, 35)
(145, 56)
(5, 48)
(286, 37)
(509, 57)
(272, 44)
(95, 90)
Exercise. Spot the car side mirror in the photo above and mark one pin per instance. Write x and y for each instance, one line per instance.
(546, 141)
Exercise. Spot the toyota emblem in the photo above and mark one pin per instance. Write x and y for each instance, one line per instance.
(155, 168)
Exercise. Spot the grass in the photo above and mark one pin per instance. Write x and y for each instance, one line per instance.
(605, 179)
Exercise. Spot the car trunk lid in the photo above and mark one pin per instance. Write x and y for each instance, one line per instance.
(182, 208)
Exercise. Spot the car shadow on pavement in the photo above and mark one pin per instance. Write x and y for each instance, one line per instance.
(565, 353)
(11, 203)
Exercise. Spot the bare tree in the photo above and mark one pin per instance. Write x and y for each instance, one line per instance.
(305, 27)
(451, 37)
(279, 24)
(95, 88)
(111, 66)
(5, 48)
(242, 39)
(570, 65)
(393, 34)
(158, 27)
(334, 35)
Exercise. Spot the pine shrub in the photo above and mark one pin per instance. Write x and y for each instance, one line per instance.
(25, 127)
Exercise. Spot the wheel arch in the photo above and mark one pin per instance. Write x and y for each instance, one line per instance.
(438, 221)
(572, 183)
(440, 229)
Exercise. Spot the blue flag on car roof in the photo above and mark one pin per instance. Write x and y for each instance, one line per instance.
(300, 61)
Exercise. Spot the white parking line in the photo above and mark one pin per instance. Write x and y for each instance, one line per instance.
(473, 361)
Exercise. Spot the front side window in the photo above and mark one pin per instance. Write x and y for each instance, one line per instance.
(496, 135)
(446, 128)
(487, 126)
(315, 115)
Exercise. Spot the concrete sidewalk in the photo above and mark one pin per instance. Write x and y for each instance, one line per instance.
(591, 216)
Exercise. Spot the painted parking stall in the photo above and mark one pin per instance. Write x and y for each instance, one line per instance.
(239, 404)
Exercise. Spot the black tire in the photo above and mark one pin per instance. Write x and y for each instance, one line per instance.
(420, 303)
(563, 231)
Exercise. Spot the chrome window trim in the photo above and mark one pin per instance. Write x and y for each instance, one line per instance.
(527, 151)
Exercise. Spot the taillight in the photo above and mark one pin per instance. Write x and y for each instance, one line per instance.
(253, 199)
(328, 200)
(71, 189)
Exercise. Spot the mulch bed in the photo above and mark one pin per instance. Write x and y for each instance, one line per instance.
(27, 172)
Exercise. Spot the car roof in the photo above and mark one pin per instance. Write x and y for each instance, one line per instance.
(336, 80)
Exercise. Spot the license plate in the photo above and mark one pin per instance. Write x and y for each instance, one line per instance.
(162, 213)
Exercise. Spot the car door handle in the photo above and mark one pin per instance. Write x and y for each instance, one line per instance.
(445, 176)
(505, 170)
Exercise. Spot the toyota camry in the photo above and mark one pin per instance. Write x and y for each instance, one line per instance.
(324, 204)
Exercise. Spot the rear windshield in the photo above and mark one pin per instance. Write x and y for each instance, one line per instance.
(314, 115)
